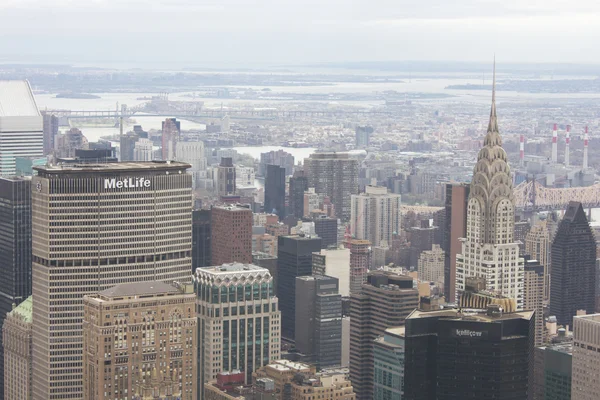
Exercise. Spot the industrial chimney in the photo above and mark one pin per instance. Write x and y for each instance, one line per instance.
(585, 149)
(522, 150)
(554, 144)
(567, 140)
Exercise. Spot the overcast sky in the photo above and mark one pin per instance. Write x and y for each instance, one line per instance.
(148, 33)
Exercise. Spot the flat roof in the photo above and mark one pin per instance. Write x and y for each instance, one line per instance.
(469, 315)
(112, 167)
(16, 99)
(140, 289)
(232, 267)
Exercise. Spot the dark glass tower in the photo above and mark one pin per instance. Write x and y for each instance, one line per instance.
(201, 239)
(573, 272)
(454, 356)
(15, 249)
(455, 227)
(294, 259)
(275, 191)
(298, 185)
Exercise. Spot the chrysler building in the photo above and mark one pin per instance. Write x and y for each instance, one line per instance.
(489, 249)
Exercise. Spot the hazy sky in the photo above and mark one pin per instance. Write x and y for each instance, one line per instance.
(262, 32)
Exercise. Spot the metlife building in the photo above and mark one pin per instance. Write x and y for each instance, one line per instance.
(460, 354)
(95, 226)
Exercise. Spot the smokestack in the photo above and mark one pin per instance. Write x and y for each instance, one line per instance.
(585, 149)
(567, 140)
(522, 150)
(554, 145)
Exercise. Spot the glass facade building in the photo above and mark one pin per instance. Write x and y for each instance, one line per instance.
(388, 358)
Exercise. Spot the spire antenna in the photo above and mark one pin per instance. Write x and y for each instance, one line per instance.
(493, 125)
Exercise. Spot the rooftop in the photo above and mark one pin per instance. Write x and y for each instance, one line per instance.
(233, 267)
(470, 315)
(16, 100)
(25, 309)
(140, 289)
(113, 167)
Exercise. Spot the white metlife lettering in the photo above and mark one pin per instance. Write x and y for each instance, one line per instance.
(467, 332)
(114, 183)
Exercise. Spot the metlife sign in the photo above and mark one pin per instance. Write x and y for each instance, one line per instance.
(121, 183)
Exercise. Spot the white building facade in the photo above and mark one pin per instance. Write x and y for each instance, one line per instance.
(375, 215)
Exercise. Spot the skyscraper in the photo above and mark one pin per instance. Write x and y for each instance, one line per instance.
(489, 249)
(298, 185)
(363, 136)
(16, 342)
(457, 197)
(334, 175)
(140, 338)
(21, 125)
(123, 223)
(231, 228)
(201, 239)
(15, 247)
(450, 355)
(275, 191)
(431, 265)
(127, 146)
(294, 259)
(384, 301)
(171, 134)
(238, 320)
(573, 284)
(375, 215)
(193, 154)
(360, 262)
(143, 150)
(327, 229)
(533, 295)
(226, 177)
(388, 357)
(67, 144)
(50, 129)
(280, 158)
(522, 228)
(585, 383)
(319, 320)
(537, 245)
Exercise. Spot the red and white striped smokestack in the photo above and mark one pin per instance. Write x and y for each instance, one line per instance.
(585, 149)
(522, 150)
(554, 144)
(567, 141)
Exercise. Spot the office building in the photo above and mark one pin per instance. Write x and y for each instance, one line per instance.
(21, 125)
(319, 320)
(66, 144)
(268, 262)
(275, 191)
(422, 238)
(489, 249)
(327, 229)
(170, 137)
(553, 371)
(450, 355)
(360, 262)
(201, 239)
(50, 130)
(264, 243)
(93, 242)
(363, 136)
(143, 150)
(384, 301)
(127, 146)
(297, 186)
(431, 265)
(280, 158)
(334, 175)
(193, 153)
(334, 262)
(140, 339)
(537, 245)
(300, 381)
(573, 274)
(294, 259)
(15, 246)
(457, 197)
(585, 383)
(388, 361)
(231, 228)
(16, 342)
(226, 181)
(522, 228)
(533, 295)
(238, 320)
(375, 215)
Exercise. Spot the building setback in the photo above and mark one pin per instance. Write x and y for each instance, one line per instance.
(294, 259)
(15, 247)
(319, 320)
(140, 340)
(238, 321)
(231, 228)
(94, 227)
(573, 274)
(384, 301)
(449, 355)
(334, 175)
